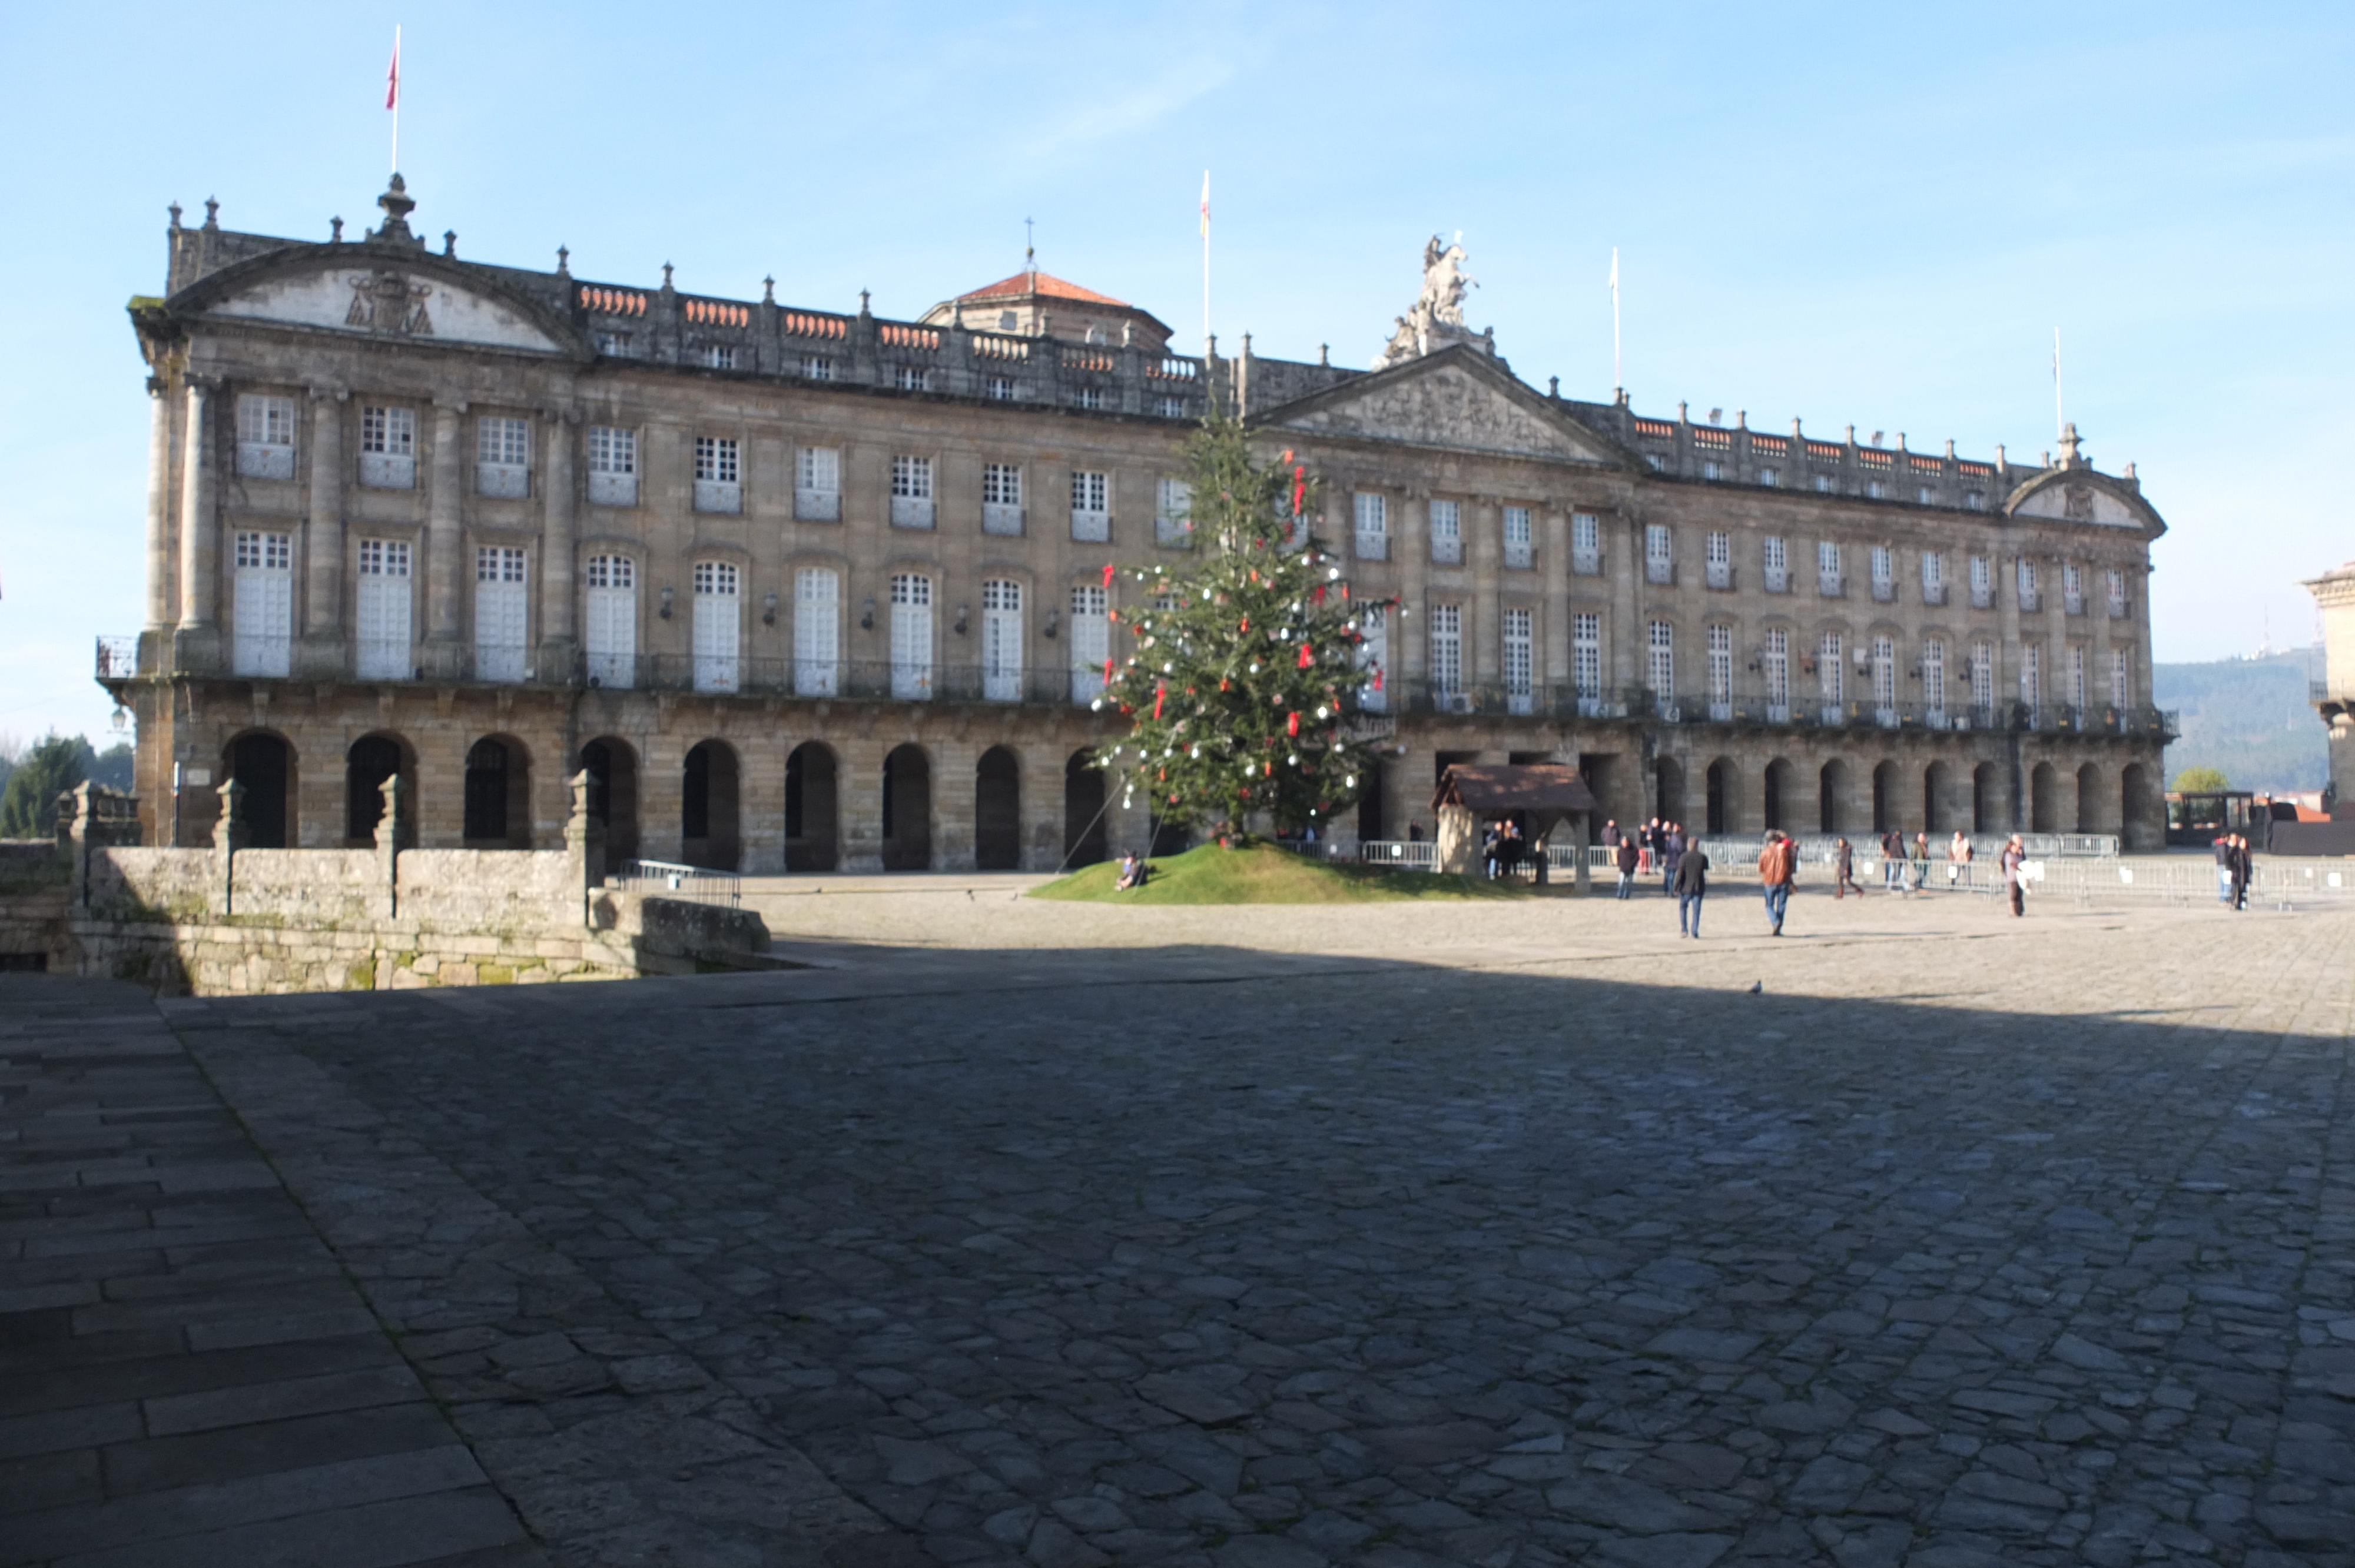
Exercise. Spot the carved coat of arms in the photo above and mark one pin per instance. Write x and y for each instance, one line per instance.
(2077, 504)
(386, 301)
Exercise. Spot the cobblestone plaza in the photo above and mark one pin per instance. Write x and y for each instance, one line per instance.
(1070, 1235)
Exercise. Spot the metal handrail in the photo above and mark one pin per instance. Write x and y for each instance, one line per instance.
(689, 884)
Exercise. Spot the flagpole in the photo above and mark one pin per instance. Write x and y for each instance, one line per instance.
(1206, 271)
(2060, 421)
(1618, 378)
(395, 95)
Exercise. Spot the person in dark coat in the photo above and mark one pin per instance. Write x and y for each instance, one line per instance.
(1692, 885)
(1672, 850)
(1844, 870)
(1624, 857)
(1610, 839)
(2243, 868)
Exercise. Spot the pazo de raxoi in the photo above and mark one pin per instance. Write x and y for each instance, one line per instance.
(1170, 955)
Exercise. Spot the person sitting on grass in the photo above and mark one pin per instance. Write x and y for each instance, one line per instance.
(1131, 871)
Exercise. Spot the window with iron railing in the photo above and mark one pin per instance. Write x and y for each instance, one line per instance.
(718, 474)
(1586, 544)
(1934, 680)
(2027, 574)
(2117, 584)
(1001, 498)
(1091, 507)
(1372, 517)
(502, 456)
(1884, 573)
(1659, 564)
(1775, 566)
(1719, 559)
(1518, 659)
(912, 496)
(1829, 581)
(1774, 665)
(613, 466)
(265, 436)
(1660, 658)
(1586, 655)
(1446, 532)
(1518, 542)
(1982, 582)
(389, 448)
(817, 484)
(1446, 650)
(1173, 512)
(1933, 578)
(2073, 589)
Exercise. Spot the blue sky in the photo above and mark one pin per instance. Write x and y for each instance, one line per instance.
(1859, 213)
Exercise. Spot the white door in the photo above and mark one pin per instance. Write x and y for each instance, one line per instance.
(1091, 642)
(610, 626)
(383, 609)
(501, 612)
(716, 584)
(1001, 641)
(817, 632)
(911, 637)
(265, 604)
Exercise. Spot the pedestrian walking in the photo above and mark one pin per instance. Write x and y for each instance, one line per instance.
(1692, 886)
(1844, 870)
(1624, 857)
(1893, 861)
(2223, 847)
(1778, 869)
(1672, 852)
(2243, 867)
(2015, 877)
(1958, 860)
(1921, 860)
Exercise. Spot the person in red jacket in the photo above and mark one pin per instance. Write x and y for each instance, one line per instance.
(1778, 869)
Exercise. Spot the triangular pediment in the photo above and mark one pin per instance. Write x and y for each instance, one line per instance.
(380, 292)
(1456, 400)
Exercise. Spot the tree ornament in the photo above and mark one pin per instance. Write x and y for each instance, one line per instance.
(1292, 725)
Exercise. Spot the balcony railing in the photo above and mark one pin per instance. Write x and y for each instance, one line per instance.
(1777, 579)
(2073, 603)
(1656, 570)
(1448, 549)
(1720, 574)
(1516, 555)
(1884, 589)
(1586, 563)
(1982, 597)
(1934, 593)
(817, 505)
(1830, 585)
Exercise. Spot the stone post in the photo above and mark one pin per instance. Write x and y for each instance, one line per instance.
(387, 845)
(1581, 824)
(323, 568)
(226, 834)
(584, 847)
(74, 821)
(444, 644)
(197, 645)
(557, 598)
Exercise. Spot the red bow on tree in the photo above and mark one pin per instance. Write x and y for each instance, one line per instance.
(1299, 489)
(1378, 677)
(1304, 658)
(1108, 570)
(1291, 726)
(1158, 693)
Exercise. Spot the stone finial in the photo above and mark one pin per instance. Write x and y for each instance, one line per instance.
(212, 212)
(1681, 412)
(863, 309)
(1741, 419)
(397, 207)
(956, 315)
(2001, 461)
(1325, 358)
(448, 242)
(1851, 435)
(388, 826)
(1900, 441)
(1794, 428)
(334, 232)
(2130, 474)
(2071, 457)
(667, 287)
(174, 210)
(564, 261)
(1128, 334)
(768, 290)
(232, 827)
(1950, 446)
(1553, 386)
(1247, 353)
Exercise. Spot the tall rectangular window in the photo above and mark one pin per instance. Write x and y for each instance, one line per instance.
(1091, 640)
(1828, 575)
(2027, 572)
(387, 447)
(1717, 558)
(817, 632)
(1982, 582)
(1776, 658)
(1933, 577)
(1983, 677)
(1001, 498)
(381, 607)
(1934, 678)
(502, 613)
(1373, 525)
(1001, 640)
(1091, 507)
(1885, 572)
(2073, 588)
(1720, 666)
(1884, 679)
(265, 436)
(1660, 655)
(911, 501)
(609, 632)
(264, 605)
(718, 625)
(1447, 652)
(2074, 675)
(1518, 659)
(1173, 512)
(1374, 658)
(1446, 532)
(911, 637)
(1586, 655)
(2031, 676)
(817, 484)
(502, 456)
(1518, 545)
(1660, 566)
(2121, 679)
(1776, 564)
(1831, 674)
(1586, 544)
(613, 466)
(2116, 580)
(718, 477)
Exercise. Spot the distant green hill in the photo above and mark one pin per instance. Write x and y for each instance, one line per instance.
(2249, 717)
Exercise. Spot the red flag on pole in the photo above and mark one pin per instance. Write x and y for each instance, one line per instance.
(392, 77)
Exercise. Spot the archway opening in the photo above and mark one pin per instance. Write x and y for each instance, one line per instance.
(372, 759)
(998, 812)
(1934, 815)
(1668, 789)
(612, 768)
(265, 765)
(907, 810)
(812, 828)
(1831, 791)
(2133, 802)
(1888, 813)
(1717, 814)
(1085, 838)
(708, 823)
(2044, 799)
(2089, 799)
(1983, 798)
(1778, 795)
(1371, 828)
(499, 795)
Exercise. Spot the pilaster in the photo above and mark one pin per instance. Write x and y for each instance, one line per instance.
(322, 651)
(444, 647)
(558, 598)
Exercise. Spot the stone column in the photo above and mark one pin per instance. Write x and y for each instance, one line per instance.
(444, 651)
(160, 615)
(1620, 635)
(2007, 661)
(1553, 563)
(322, 595)
(198, 643)
(1411, 639)
(557, 598)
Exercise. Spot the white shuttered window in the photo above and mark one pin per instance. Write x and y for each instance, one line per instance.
(265, 604)
(502, 612)
(610, 630)
(381, 609)
(911, 637)
(1091, 640)
(817, 632)
(716, 625)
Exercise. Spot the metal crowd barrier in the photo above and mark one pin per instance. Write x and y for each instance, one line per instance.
(688, 884)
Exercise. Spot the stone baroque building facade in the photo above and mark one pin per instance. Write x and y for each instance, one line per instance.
(807, 590)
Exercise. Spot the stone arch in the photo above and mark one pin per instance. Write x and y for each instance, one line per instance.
(907, 810)
(998, 810)
(813, 812)
(370, 760)
(1371, 825)
(1983, 798)
(1085, 838)
(710, 829)
(1888, 809)
(1718, 811)
(1668, 789)
(611, 765)
(1831, 797)
(2089, 796)
(2133, 805)
(498, 794)
(1935, 817)
(2044, 799)
(1781, 777)
(262, 760)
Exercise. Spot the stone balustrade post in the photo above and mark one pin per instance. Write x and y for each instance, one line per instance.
(387, 845)
(77, 831)
(227, 831)
(584, 847)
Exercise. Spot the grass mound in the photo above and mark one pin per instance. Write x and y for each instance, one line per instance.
(1262, 873)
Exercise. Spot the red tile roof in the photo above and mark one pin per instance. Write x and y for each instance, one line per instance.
(1043, 283)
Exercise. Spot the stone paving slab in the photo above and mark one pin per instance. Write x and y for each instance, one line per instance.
(187, 1374)
(1961, 1241)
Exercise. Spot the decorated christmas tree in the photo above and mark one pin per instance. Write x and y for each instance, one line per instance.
(1242, 672)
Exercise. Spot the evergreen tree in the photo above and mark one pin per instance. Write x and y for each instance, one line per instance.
(30, 807)
(1243, 670)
